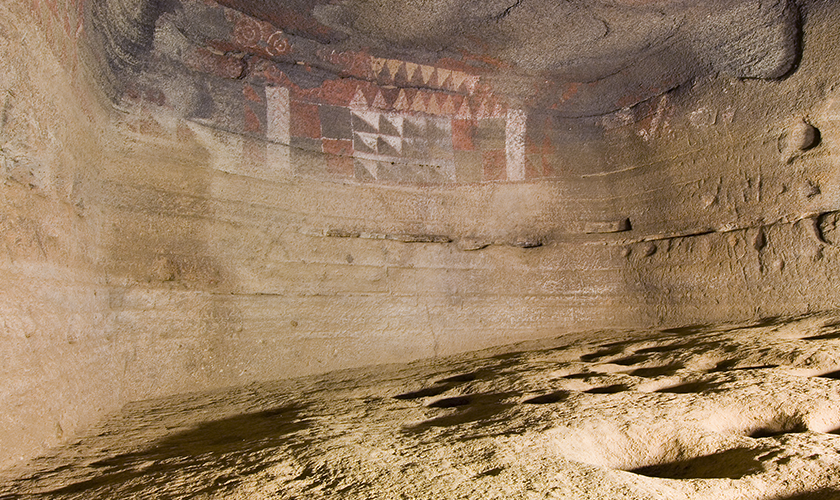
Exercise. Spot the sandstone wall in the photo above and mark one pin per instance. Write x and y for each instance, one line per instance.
(153, 247)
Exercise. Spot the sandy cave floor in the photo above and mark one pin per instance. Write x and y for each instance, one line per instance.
(701, 413)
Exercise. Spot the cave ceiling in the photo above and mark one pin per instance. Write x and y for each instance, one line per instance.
(457, 65)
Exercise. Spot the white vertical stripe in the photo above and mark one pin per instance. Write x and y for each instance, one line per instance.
(277, 114)
(278, 119)
(515, 144)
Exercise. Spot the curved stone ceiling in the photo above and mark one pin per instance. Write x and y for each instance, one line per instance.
(428, 92)
(548, 52)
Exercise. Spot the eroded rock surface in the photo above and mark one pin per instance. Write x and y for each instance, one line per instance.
(727, 412)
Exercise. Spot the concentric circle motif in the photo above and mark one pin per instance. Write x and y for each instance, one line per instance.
(278, 45)
(248, 31)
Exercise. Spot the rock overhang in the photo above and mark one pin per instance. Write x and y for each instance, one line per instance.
(442, 92)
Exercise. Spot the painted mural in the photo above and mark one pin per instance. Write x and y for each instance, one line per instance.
(346, 114)
(353, 99)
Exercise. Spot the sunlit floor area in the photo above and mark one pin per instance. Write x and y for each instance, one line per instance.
(708, 412)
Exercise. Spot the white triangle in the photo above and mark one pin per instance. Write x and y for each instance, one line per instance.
(418, 123)
(398, 121)
(370, 117)
(427, 72)
(393, 67)
(371, 166)
(402, 103)
(368, 139)
(395, 120)
(359, 100)
(418, 104)
(410, 68)
(443, 75)
(394, 142)
(432, 108)
(377, 64)
(379, 101)
(458, 78)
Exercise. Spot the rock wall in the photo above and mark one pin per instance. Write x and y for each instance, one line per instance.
(201, 194)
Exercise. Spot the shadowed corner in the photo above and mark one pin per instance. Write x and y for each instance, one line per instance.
(233, 444)
(730, 464)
